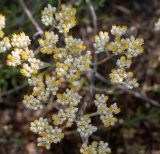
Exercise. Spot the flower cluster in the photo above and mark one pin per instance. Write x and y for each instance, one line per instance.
(84, 127)
(47, 133)
(69, 60)
(48, 15)
(95, 148)
(66, 18)
(72, 60)
(70, 97)
(21, 55)
(63, 20)
(120, 75)
(157, 25)
(4, 41)
(73, 67)
(20, 41)
(41, 91)
(100, 42)
(127, 48)
(106, 113)
(75, 60)
(48, 44)
(65, 117)
(69, 100)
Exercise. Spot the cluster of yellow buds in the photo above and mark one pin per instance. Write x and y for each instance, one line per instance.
(73, 59)
(21, 55)
(47, 133)
(106, 113)
(74, 46)
(126, 47)
(65, 116)
(66, 18)
(69, 100)
(48, 44)
(4, 41)
(20, 41)
(43, 87)
(100, 42)
(73, 67)
(70, 97)
(63, 20)
(123, 62)
(95, 148)
(84, 127)
(121, 76)
(48, 15)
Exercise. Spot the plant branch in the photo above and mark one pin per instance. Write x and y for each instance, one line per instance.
(129, 91)
(93, 14)
(103, 60)
(31, 18)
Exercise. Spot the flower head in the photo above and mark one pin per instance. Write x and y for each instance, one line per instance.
(20, 40)
(101, 41)
(66, 18)
(48, 15)
(84, 127)
(48, 44)
(2, 21)
(47, 133)
(95, 148)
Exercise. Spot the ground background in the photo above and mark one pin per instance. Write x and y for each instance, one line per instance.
(139, 130)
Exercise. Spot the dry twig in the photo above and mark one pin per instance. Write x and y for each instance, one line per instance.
(31, 18)
(134, 93)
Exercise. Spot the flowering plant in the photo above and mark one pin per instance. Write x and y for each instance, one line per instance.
(58, 81)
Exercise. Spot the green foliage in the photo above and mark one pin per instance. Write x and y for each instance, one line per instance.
(98, 3)
(7, 75)
(140, 114)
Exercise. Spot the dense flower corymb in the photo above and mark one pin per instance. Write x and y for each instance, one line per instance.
(63, 20)
(126, 47)
(4, 41)
(106, 113)
(49, 43)
(58, 81)
(66, 18)
(47, 133)
(22, 56)
(20, 41)
(84, 127)
(48, 15)
(95, 148)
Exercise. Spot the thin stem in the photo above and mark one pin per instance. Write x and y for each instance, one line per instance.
(134, 93)
(93, 14)
(103, 60)
(31, 18)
